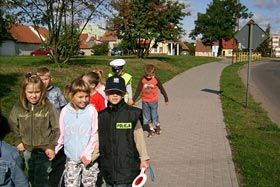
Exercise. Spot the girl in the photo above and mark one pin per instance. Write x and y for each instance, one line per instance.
(34, 123)
(101, 84)
(78, 134)
(96, 98)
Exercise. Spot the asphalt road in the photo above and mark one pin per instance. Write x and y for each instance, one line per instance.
(265, 85)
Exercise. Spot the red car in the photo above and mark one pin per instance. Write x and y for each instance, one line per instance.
(41, 52)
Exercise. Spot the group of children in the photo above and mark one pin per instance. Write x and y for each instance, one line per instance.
(66, 143)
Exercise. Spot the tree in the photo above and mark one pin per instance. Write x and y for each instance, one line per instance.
(265, 48)
(65, 20)
(4, 22)
(140, 22)
(219, 21)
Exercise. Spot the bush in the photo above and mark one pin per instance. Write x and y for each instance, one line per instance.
(100, 49)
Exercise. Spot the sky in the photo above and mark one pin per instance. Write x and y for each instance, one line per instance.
(265, 12)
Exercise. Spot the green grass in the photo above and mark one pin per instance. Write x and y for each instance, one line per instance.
(254, 138)
(12, 70)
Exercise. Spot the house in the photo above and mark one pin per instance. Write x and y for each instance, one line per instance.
(215, 48)
(86, 43)
(228, 46)
(169, 47)
(202, 50)
(275, 44)
(112, 39)
(24, 39)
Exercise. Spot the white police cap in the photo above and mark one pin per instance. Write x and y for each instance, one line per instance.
(117, 62)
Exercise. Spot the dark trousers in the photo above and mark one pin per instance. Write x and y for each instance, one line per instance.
(38, 168)
(58, 165)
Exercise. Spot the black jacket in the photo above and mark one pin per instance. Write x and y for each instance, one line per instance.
(119, 158)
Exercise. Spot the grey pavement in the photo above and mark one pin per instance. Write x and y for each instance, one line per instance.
(192, 150)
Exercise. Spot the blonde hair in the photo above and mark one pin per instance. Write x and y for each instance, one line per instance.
(43, 71)
(149, 69)
(77, 85)
(92, 78)
(30, 78)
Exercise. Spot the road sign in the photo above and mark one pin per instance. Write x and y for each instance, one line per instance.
(258, 35)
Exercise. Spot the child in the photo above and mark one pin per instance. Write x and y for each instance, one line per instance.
(121, 142)
(55, 96)
(96, 99)
(78, 134)
(117, 69)
(148, 85)
(101, 85)
(11, 173)
(34, 123)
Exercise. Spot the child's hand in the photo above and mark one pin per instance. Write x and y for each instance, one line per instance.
(130, 102)
(166, 103)
(20, 147)
(50, 154)
(145, 164)
(85, 161)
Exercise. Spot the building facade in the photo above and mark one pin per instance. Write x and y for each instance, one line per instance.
(275, 44)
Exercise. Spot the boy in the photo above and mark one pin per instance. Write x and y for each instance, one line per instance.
(54, 94)
(11, 173)
(148, 86)
(117, 69)
(121, 141)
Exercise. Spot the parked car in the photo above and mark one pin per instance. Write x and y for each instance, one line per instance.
(81, 53)
(116, 51)
(41, 52)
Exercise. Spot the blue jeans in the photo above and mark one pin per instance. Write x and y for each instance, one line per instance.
(150, 113)
(119, 185)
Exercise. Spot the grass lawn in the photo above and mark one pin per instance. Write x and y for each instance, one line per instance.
(254, 138)
(12, 70)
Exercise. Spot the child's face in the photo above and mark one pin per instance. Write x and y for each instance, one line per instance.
(80, 100)
(33, 93)
(114, 96)
(46, 80)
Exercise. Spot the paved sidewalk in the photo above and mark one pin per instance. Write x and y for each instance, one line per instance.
(192, 150)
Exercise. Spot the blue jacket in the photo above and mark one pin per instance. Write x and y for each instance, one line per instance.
(11, 174)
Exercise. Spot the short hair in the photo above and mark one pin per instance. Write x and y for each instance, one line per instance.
(30, 78)
(77, 85)
(43, 71)
(149, 69)
(4, 126)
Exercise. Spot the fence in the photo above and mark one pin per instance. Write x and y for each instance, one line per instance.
(243, 56)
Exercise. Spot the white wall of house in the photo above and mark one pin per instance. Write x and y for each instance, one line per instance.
(8, 48)
(215, 50)
(11, 48)
(203, 53)
(26, 48)
(227, 52)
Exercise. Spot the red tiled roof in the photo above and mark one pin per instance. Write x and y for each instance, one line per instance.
(24, 34)
(84, 36)
(83, 45)
(183, 46)
(229, 44)
(109, 36)
(200, 47)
